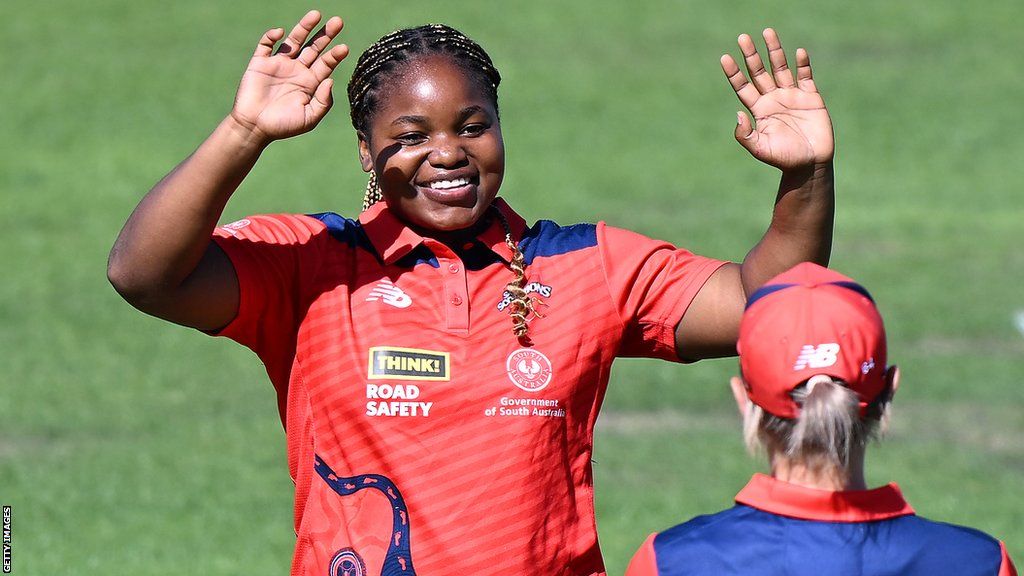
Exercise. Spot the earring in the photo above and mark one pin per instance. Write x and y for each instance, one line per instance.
(372, 195)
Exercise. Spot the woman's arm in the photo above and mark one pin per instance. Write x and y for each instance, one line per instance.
(163, 262)
(793, 133)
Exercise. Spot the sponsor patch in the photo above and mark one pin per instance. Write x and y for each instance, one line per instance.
(531, 288)
(528, 369)
(388, 363)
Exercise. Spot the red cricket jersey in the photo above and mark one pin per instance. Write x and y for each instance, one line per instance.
(422, 436)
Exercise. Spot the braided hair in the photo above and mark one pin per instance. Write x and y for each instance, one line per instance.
(367, 87)
(520, 305)
(385, 56)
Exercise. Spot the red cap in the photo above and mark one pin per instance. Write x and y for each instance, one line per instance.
(806, 321)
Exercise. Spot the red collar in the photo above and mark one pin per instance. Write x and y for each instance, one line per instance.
(785, 499)
(393, 239)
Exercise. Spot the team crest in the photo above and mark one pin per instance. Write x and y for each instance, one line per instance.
(528, 369)
(347, 563)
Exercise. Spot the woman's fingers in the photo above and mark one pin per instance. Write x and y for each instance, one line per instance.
(321, 101)
(309, 51)
(758, 75)
(266, 44)
(319, 104)
(777, 58)
(328, 61)
(745, 133)
(297, 36)
(320, 40)
(804, 79)
(746, 92)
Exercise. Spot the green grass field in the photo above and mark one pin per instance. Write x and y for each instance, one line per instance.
(130, 446)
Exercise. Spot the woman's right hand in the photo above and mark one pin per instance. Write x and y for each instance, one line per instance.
(287, 92)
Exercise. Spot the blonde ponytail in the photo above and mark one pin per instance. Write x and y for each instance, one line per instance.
(829, 425)
(827, 431)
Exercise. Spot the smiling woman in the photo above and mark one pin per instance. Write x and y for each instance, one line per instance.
(439, 362)
(437, 147)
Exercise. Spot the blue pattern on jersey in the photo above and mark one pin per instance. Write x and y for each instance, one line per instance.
(398, 560)
(418, 255)
(748, 541)
(345, 230)
(477, 256)
(347, 562)
(351, 232)
(546, 238)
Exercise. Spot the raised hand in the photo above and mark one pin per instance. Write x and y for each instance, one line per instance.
(792, 128)
(287, 92)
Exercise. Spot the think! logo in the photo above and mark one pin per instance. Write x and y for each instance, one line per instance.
(389, 363)
(820, 356)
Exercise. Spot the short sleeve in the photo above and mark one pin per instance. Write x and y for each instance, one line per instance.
(644, 562)
(275, 257)
(652, 284)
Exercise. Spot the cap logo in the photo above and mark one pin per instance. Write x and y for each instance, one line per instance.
(820, 356)
(868, 366)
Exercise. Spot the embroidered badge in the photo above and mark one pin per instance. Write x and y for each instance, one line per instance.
(528, 369)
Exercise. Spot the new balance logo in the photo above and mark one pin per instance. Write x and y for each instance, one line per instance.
(388, 293)
(820, 356)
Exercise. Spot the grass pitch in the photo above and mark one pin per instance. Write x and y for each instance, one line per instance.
(131, 446)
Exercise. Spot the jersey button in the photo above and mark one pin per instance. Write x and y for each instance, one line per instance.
(453, 268)
(456, 300)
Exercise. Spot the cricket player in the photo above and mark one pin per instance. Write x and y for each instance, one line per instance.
(814, 389)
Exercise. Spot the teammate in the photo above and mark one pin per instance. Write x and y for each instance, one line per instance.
(814, 389)
(439, 363)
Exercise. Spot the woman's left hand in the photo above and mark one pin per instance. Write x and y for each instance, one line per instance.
(793, 130)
